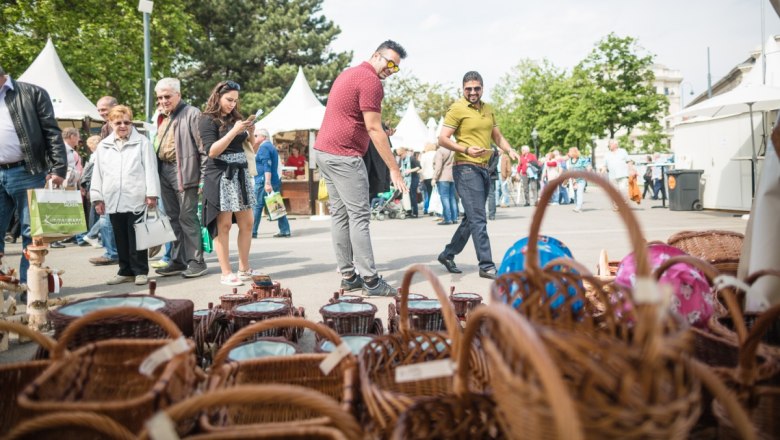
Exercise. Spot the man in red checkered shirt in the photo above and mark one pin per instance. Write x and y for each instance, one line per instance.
(353, 116)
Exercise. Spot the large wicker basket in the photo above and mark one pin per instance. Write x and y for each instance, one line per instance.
(722, 249)
(15, 376)
(385, 398)
(103, 377)
(300, 369)
(77, 425)
(123, 327)
(339, 424)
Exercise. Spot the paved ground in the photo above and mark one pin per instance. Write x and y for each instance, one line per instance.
(305, 262)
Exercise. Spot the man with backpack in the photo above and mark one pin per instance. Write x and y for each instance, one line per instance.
(529, 170)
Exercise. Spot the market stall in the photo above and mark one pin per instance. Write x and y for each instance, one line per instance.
(292, 125)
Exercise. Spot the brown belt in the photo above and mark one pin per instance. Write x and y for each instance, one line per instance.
(481, 165)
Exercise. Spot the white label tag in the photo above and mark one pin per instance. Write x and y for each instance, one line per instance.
(162, 355)
(56, 279)
(425, 370)
(754, 300)
(723, 281)
(161, 427)
(329, 363)
(646, 291)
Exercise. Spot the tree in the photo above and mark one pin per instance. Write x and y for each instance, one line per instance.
(100, 44)
(623, 78)
(260, 44)
(431, 99)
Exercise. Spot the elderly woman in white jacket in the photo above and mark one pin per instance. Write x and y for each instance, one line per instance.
(124, 182)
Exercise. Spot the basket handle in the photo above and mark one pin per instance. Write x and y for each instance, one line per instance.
(706, 268)
(241, 336)
(447, 309)
(739, 418)
(41, 339)
(96, 422)
(748, 369)
(139, 312)
(519, 335)
(278, 393)
(629, 219)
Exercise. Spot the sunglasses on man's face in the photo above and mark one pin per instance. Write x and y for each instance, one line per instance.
(473, 89)
(391, 65)
(164, 97)
(231, 85)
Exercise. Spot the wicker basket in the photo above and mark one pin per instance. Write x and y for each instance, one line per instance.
(122, 327)
(103, 377)
(394, 307)
(244, 314)
(274, 398)
(384, 398)
(77, 425)
(464, 302)
(349, 318)
(15, 376)
(722, 249)
(213, 329)
(301, 369)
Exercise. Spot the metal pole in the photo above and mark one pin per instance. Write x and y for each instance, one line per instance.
(147, 70)
(763, 45)
(709, 75)
(753, 157)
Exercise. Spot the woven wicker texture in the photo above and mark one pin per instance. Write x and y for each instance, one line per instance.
(384, 398)
(211, 332)
(301, 370)
(722, 249)
(272, 397)
(102, 377)
(124, 327)
(358, 322)
(77, 425)
(15, 376)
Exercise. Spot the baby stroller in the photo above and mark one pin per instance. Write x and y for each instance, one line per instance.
(387, 205)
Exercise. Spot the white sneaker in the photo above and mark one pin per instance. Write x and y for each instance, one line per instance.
(230, 280)
(92, 241)
(244, 275)
(141, 280)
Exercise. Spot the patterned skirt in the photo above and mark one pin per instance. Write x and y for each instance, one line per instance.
(236, 186)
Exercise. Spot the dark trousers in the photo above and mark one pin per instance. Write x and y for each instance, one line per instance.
(413, 194)
(648, 188)
(473, 185)
(131, 261)
(182, 208)
(658, 187)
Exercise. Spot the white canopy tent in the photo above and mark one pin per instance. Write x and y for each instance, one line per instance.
(411, 132)
(299, 110)
(48, 72)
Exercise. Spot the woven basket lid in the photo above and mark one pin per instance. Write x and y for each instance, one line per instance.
(260, 306)
(262, 348)
(83, 307)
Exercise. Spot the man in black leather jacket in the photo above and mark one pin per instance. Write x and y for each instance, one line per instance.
(31, 152)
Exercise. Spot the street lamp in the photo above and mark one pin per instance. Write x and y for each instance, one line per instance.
(682, 93)
(593, 151)
(535, 137)
(145, 7)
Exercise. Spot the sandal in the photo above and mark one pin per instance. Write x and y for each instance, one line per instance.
(245, 275)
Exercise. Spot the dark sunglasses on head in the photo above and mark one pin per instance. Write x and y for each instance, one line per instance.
(475, 89)
(230, 85)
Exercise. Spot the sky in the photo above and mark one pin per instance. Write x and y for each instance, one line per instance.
(445, 39)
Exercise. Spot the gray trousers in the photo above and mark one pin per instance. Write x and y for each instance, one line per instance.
(182, 208)
(530, 186)
(347, 181)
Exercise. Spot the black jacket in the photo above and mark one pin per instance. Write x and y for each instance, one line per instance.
(39, 134)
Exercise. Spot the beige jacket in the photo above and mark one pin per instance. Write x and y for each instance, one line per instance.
(442, 165)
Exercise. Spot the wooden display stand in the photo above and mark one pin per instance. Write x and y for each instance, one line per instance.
(38, 284)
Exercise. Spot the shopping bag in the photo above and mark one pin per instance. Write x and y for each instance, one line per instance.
(274, 203)
(322, 191)
(153, 230)
(434, 204)
(55, 213)
(205, 237)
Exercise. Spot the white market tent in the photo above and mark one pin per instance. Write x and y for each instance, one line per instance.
(48, 72)
(721, 143)
(299, 110)
(411, 132)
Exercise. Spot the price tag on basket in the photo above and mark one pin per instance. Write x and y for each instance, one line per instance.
(163, 355)
(161, 427)
(425, 370)
(331, 360)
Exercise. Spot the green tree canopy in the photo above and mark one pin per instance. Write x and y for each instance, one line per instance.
(100, 44)
(260, 44)
(431, 99)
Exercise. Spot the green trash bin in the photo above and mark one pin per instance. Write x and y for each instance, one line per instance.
(684, 190)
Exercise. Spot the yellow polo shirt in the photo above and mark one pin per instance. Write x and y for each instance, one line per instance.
(473, 127)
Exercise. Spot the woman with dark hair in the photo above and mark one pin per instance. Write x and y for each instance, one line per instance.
(228, 188)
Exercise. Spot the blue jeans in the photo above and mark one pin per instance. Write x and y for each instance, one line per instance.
(107, 236)
(449, 206)
(504, 197)
(260, 194)
(473, 185)
(563, 195)
(14, 184)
